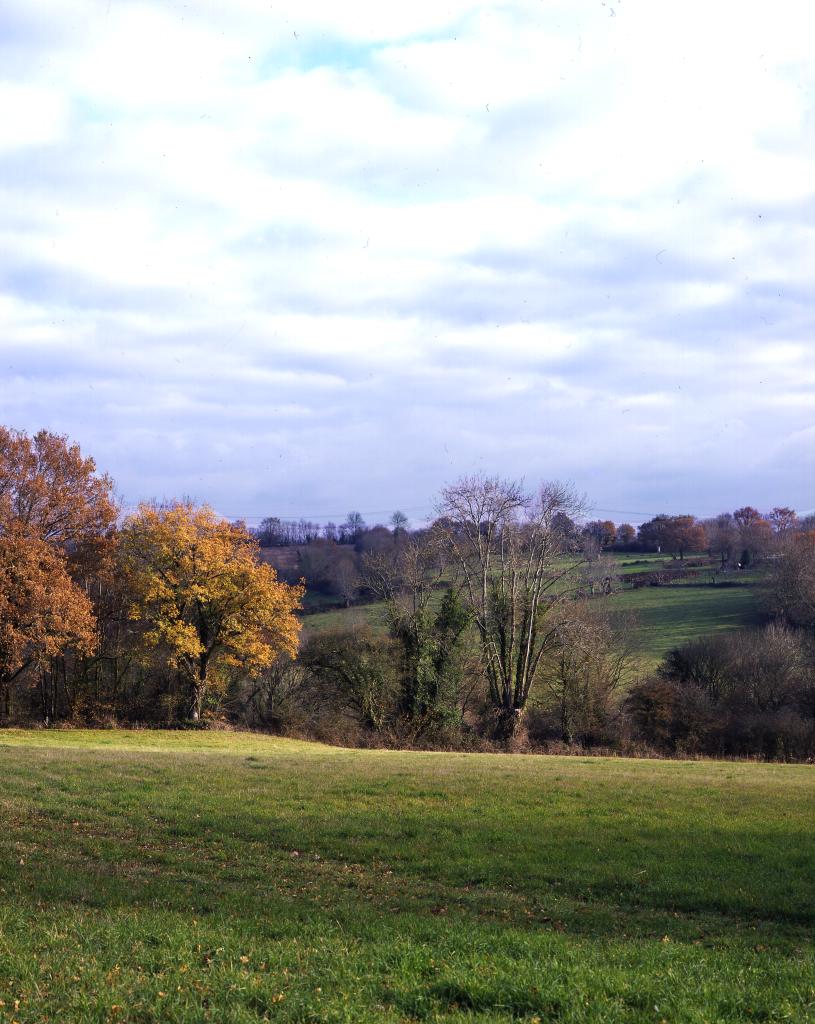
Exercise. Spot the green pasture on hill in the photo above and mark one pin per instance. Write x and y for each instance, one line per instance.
(664, 617)
(190, 877)
(660, 617)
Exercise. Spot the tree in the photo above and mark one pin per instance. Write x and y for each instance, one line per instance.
(722, 537)
(373, 540)
(791, 581)
(585, 671)
(686, 535)
(783, 519)
(344, 576)
(674, 534)
(205, 599)
(55, 512)
(50, 491)
(42, 611)
(755, 534)
(626, 534)
(352, 528)
(567, 528)
(507, 550)
(399, 522)
(271, 532)
(746, 515)
(603, 530)
(357, 666)
(429, 637)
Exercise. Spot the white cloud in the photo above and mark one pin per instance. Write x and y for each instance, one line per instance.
(571, 238)
(31, 116)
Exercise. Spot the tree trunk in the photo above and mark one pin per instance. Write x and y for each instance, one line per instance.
(198, 688)
(508, 723)
(196, 698)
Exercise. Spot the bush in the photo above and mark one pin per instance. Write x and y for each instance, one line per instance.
(741, 694)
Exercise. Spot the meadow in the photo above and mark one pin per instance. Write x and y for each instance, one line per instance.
(656, 618)
(665, 617)
(228, 877)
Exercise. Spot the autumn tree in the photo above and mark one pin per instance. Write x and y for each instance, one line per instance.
(55, 512)
(205, 599)
(603, 530)
(42, 611)
(50, 491)
(755, 534)
(783, 519)
(508, 554)
(674, 534)
(686, 534)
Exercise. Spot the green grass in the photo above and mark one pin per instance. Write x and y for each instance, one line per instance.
(665, 617)
(372, 615)
(189, 877)
(631, 563)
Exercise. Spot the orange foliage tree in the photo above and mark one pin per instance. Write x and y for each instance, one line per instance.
(48, 490)
(205, 598)
(53, 507)
(42, 611)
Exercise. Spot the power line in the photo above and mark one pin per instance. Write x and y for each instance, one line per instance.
(293, 517)
(297, 516)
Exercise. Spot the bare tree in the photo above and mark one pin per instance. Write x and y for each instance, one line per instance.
(791, 581)
(399, 521)
(722, 537)
(584, 674)
(510, 558)
(352, 528)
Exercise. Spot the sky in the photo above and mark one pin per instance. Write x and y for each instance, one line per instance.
(299, 258)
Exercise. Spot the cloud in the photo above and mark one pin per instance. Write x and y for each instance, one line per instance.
(335, 256)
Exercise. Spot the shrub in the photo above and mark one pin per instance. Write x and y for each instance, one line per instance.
(749, 693)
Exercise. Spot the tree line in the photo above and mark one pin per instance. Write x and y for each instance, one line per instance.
(171, 615)
(331, 559)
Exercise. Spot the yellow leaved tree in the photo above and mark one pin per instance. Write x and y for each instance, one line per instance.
(205, 598)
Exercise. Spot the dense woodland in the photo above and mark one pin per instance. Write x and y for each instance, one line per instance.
(496, 634)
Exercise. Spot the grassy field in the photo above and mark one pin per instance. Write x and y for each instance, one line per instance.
(665, 617)
(189, 877)
(662, 617)
(372, 614)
